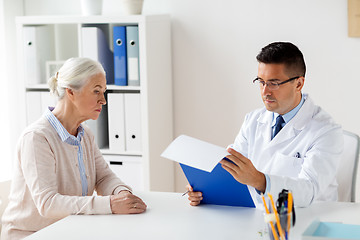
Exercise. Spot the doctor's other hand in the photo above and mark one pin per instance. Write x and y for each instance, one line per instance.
(194, 197)
(242, 169)
(125, 202)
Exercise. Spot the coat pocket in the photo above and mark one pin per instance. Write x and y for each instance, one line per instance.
(287, 166)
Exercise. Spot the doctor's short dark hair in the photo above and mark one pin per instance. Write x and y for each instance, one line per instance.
(284, 53)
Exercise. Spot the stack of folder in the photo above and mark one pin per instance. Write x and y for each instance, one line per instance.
(122, 65)
(119, 128)
(126, 55)
(124, 122)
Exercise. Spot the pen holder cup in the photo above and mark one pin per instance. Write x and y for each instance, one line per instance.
(273, 226)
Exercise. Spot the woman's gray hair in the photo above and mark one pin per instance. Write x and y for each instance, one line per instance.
(74, 74)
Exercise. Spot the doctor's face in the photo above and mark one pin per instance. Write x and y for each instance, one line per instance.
(287, 96)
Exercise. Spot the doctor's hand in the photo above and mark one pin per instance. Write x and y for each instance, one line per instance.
(194, 197)
(125, 202)
(243, 170)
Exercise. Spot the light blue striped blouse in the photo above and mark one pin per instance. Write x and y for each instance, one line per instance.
(66, 137)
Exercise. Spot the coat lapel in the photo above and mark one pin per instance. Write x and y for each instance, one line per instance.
(291, 129)
(264, 126)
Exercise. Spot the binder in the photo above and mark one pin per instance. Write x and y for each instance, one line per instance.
(47, 100)
(38, 45)
(94, 45)
(199, 161)
(132, 122)
(34, 107)
(37, 103)
(120, 57)
(116, 114)
(100, 128)
(132, 46)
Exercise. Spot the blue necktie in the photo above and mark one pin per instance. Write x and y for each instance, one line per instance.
(278, 125)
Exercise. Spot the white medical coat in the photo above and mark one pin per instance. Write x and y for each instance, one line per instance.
(303, 157)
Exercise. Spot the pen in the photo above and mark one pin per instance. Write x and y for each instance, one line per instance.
(276, 216)
(185, 193)
(290, 204)
(271, 223)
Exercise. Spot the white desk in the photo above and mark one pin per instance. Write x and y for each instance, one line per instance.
(169, 216)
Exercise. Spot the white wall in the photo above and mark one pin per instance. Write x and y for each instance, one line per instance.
(4, 121)
(214, 48)
(214, 44)
(9, 99)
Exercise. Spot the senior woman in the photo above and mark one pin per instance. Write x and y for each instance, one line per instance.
(59, 165)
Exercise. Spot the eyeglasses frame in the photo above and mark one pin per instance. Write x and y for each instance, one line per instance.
(278, 84)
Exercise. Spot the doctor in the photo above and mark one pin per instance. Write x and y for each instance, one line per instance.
(290, 143)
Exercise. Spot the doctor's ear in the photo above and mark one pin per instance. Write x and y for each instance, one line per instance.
(300, 83)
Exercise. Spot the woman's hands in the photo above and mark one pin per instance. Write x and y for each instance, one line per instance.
(125, 202)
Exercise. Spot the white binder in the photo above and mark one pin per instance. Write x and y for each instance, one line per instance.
(37, 103)
(116, 114)
(133, 122)
(38, 44)
(33, 108)
(100, 128)
(47, 100)
(89, 43)
(95, 45)
(132, 48)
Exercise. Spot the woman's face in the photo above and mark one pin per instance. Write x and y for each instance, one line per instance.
(90, 98)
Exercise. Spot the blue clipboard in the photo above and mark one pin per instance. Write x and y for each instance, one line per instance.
(218, 187)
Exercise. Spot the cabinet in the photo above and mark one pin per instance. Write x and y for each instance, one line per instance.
(57, 38)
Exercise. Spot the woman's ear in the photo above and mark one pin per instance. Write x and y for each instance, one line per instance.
(70, 93)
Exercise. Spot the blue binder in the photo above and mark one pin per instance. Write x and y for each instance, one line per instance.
(132, 45)
(120, 57)
(218, 187)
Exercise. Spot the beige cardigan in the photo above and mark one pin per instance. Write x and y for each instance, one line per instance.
(46, 186)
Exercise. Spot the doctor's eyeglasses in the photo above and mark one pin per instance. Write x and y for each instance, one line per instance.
(272, 85)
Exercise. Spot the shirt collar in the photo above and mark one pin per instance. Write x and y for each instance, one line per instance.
(64, 135)
(288, 116)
